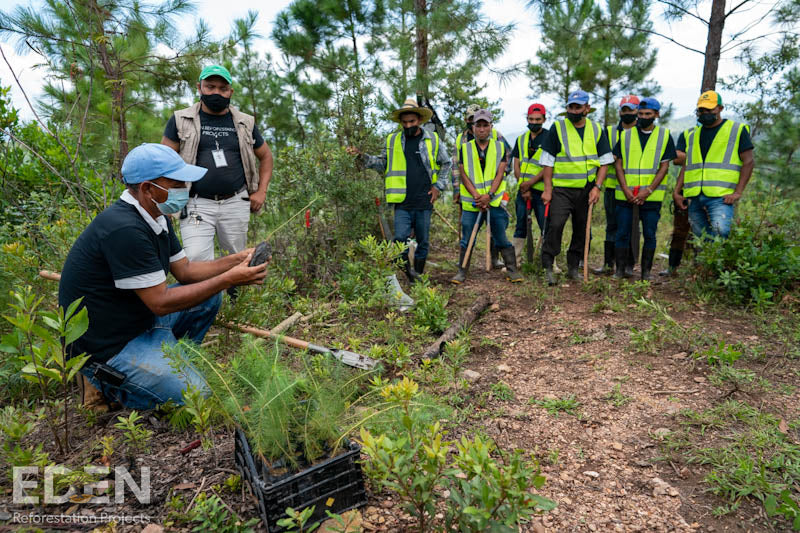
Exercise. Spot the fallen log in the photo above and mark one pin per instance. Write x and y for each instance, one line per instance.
(469, 316)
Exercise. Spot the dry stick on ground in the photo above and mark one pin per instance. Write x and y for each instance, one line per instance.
(287, 323)
(469, 316)
(449, 225)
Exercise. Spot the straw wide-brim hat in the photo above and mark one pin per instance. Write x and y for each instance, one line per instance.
(410, 106)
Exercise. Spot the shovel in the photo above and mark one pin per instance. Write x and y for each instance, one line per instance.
(349, 358)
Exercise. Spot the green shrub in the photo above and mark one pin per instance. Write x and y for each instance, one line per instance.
(430, 307)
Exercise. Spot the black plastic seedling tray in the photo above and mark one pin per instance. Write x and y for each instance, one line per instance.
(335, 484)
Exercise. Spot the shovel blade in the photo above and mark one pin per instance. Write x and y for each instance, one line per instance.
(353, 359)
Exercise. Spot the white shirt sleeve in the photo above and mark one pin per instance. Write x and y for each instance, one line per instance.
(142, 281)
(607, 159)
(177, 257)
(547, 159)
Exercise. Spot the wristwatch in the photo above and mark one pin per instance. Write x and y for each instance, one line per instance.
(596, 185)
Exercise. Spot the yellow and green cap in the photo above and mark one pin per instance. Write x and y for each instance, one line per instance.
(216, 70)
(709, 100)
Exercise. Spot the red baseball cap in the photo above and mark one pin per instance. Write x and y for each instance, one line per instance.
(631, 101)
(537, 107)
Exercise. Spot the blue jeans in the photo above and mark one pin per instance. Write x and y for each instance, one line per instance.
(521, 207)
(649, 216)
(151, 381)
(610, 206)
(498, 220)
(420, 222)
(710, 216)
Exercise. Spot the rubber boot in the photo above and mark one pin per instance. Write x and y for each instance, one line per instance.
(574, 273)
(419, 265)
(497, 263)
(629, 263)
(675, 257)
(409, 271)
(608, 260)
(519, 246)
(621, 259)
(547, 263)
(461, 275)
(647, 263)
(510, 259)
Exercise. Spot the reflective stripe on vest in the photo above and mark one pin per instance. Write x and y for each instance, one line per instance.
(611, 177)
(529, 166)
(481, 180)
(718, 174)
(395, 177)
(577, 162)
(641, 165)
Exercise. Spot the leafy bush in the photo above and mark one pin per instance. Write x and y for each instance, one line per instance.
(756, 264)
(430, 307)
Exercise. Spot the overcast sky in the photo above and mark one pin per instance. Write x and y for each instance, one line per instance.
(678, 71)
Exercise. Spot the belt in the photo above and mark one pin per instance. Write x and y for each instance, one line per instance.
(220, 197)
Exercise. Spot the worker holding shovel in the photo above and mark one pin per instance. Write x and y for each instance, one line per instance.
(413, 161)
(482, 164)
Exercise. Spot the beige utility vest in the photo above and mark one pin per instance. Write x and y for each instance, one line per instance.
(188, 123)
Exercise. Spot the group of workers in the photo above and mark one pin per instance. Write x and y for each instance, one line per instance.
(212, 169)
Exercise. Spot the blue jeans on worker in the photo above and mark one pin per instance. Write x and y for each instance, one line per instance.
(418, 220)
(610, 207)
(710, 216)
(521, 207)
(498, 221)
(150, 380)
(648, 214)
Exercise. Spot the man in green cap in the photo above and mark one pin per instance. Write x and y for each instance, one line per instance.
(215, 135)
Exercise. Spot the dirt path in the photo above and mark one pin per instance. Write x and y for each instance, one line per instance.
(602, 461)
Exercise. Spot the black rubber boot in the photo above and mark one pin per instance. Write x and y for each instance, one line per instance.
(574, 273)
(621, 259)
(410, 273)
(419, 265)
(629, 263)
(675, 257)
(510, 259)
(497, 264)
(547, 264)
(647, 263)
(461, 275)
(608, 260)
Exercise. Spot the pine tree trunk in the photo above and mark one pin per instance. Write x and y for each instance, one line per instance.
(421, 45)
(713, 45)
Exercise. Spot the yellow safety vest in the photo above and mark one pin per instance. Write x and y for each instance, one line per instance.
(718, 174)
(611, 175)
(529, 165)
(395, 178)
(641, 166)
(480, 178)
(577, 162)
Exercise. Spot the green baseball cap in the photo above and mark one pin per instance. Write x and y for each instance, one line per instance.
(216, 70)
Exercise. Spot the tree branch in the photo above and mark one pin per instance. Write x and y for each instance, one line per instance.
(684, 11)
(634, 28)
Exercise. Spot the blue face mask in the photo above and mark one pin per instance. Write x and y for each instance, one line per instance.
(176, 199)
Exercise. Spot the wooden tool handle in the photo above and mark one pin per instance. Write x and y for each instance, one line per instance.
(586, 244)
(471, 242)
(264, 334)
(52, 276)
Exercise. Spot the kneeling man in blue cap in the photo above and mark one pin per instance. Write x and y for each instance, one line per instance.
(119, 266)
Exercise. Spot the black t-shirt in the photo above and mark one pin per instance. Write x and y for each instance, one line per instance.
(707, 136)
(217, 131)
(118, 244)
(418, 182)
(669, 153)
(552, 145)
(533, 144)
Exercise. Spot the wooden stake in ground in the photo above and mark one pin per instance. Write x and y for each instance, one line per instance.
(471, 242)
(488, 243)
(586, 244)
(469, 316)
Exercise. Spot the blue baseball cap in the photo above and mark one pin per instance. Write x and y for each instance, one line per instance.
(578, 97)
(650, 103)
(149, 161)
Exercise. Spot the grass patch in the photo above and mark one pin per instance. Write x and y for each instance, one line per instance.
(568, 404)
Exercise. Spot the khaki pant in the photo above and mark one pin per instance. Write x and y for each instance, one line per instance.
(225, 219)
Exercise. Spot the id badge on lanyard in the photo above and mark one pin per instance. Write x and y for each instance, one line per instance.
(219, 156)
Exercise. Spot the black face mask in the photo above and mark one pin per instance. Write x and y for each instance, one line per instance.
(410, 132)
(628, 118)
(215, 102)
(707, 119)
(574, 117)
(646, 122)
(534, 127)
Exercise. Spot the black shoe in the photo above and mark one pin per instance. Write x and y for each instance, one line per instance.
(608, 260)
(675, 257)
(461, 275)
(409, 271)
(647, 263)
(574, 273)
(419, 265)
(549, 276)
